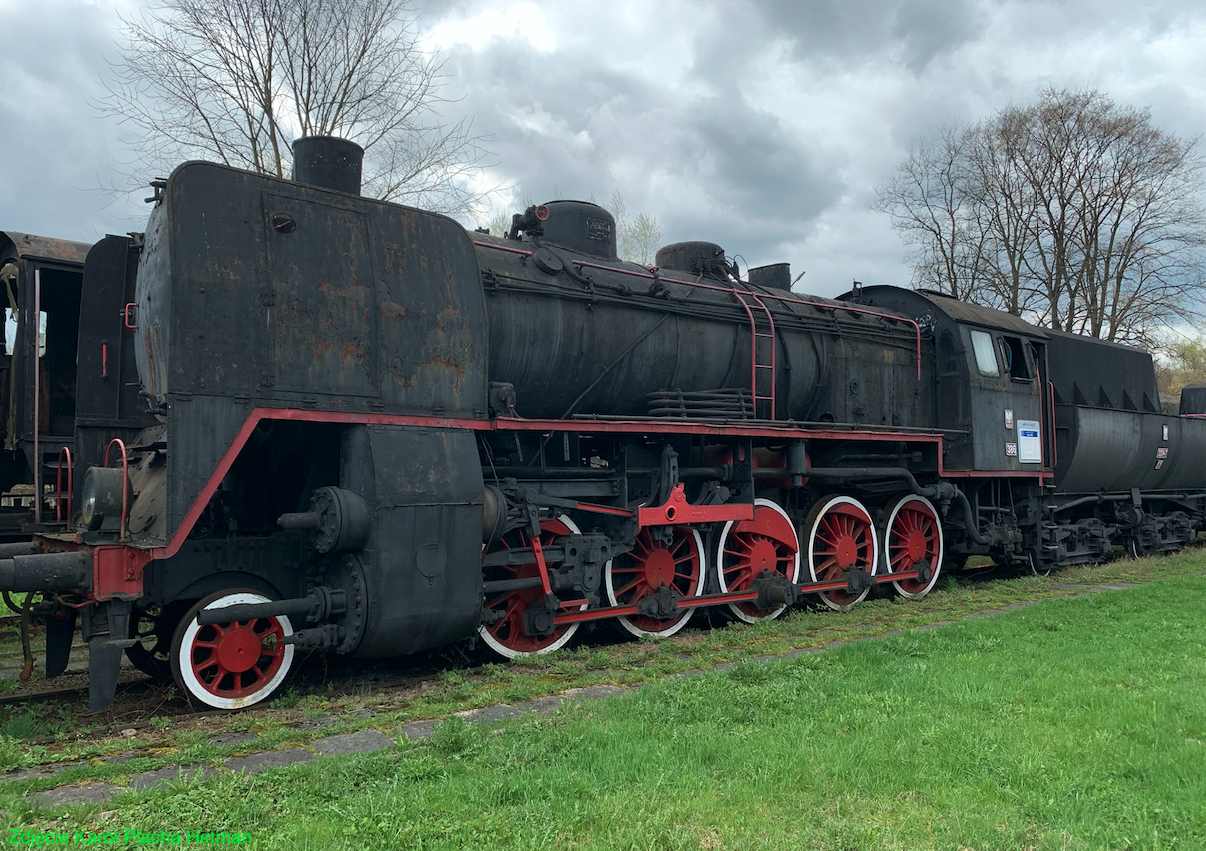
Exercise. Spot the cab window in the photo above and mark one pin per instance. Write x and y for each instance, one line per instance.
(986, 354)
(1014, 354)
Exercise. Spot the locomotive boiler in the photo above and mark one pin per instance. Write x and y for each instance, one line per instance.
(360, 428)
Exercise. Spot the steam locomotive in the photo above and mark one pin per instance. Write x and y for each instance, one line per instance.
(345, 424)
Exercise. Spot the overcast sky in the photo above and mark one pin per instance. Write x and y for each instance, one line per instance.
(762, 125)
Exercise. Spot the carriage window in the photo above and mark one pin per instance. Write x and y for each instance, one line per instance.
(1015, 358)
(986, 356)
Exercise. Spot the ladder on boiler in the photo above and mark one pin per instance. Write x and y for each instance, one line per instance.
(762, 352)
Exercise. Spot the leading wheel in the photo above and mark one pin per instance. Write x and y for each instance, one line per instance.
(506, 635)
(747, 548)
(913, 535)
(650, 565)
(154, 628)
(231, 665)
(841, 536)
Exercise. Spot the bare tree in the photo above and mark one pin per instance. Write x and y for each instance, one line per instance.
(637, 239)
(927, 199)
(238, 80)
(1073, 211)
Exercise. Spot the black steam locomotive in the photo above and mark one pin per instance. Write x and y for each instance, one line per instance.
(346, 424)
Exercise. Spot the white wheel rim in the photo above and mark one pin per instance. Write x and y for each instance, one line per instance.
(828, 504)
(185, 662)
(510, 653)
(724, 586)
(936, 567)
(672, 626)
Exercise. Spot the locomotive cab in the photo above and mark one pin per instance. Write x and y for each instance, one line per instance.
(989, 378)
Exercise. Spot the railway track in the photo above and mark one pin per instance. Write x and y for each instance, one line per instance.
(139, 698)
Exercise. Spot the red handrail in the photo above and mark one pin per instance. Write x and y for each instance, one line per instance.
(58, 486)
(125, 481)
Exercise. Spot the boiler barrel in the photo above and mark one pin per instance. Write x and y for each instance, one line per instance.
(567, 354)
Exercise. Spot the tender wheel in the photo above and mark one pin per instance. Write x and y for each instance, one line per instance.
(749, 547)
(506, 636)
(155, 628)
(231, 665)
(650, 565)
(841, 535)
(913, 534)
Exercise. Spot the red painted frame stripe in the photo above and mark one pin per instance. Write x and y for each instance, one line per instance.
(518, 424)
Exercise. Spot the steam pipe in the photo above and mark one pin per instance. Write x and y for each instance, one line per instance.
(971, 521)
(46, 572)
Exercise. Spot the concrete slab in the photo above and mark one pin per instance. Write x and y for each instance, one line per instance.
(318, 722)
(595, 692)
(491, 714)
(170, 774)
(416, 730)
(257, 762)
(93, 793)
(39, 771)
(225, 740)
(362, 741)
(544, 705)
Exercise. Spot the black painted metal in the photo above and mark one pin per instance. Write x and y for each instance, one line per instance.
(582, 227)
(329, 162)
(603, 346)
(360, 307)
(1193, 399)
(694, 258)
(776, 276)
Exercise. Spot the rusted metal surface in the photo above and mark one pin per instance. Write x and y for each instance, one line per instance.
(13, 244)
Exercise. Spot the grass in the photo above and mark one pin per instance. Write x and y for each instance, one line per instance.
(1073, 724)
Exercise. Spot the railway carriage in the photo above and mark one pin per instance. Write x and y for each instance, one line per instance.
(360, 428)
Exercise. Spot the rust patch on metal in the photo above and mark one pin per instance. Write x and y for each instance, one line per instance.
(392, 310)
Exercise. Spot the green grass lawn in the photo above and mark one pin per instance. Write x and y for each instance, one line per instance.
(1070, 724)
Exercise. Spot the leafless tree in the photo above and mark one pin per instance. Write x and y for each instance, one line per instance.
(237, 80)
(927, 199)
(637, 238)
(1073, 211)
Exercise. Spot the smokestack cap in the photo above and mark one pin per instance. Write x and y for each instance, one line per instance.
(329, 162)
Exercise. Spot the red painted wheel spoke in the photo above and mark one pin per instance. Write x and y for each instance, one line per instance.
(843, 538)
(750, 548)
(620, 592)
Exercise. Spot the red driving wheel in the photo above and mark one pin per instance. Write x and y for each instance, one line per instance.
(749, 547)
(841, 535)
(913, 536)
(506, 635)
(650, 565)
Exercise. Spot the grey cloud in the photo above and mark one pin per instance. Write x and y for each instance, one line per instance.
(56, 149)
(844, 31)
(743, 169)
